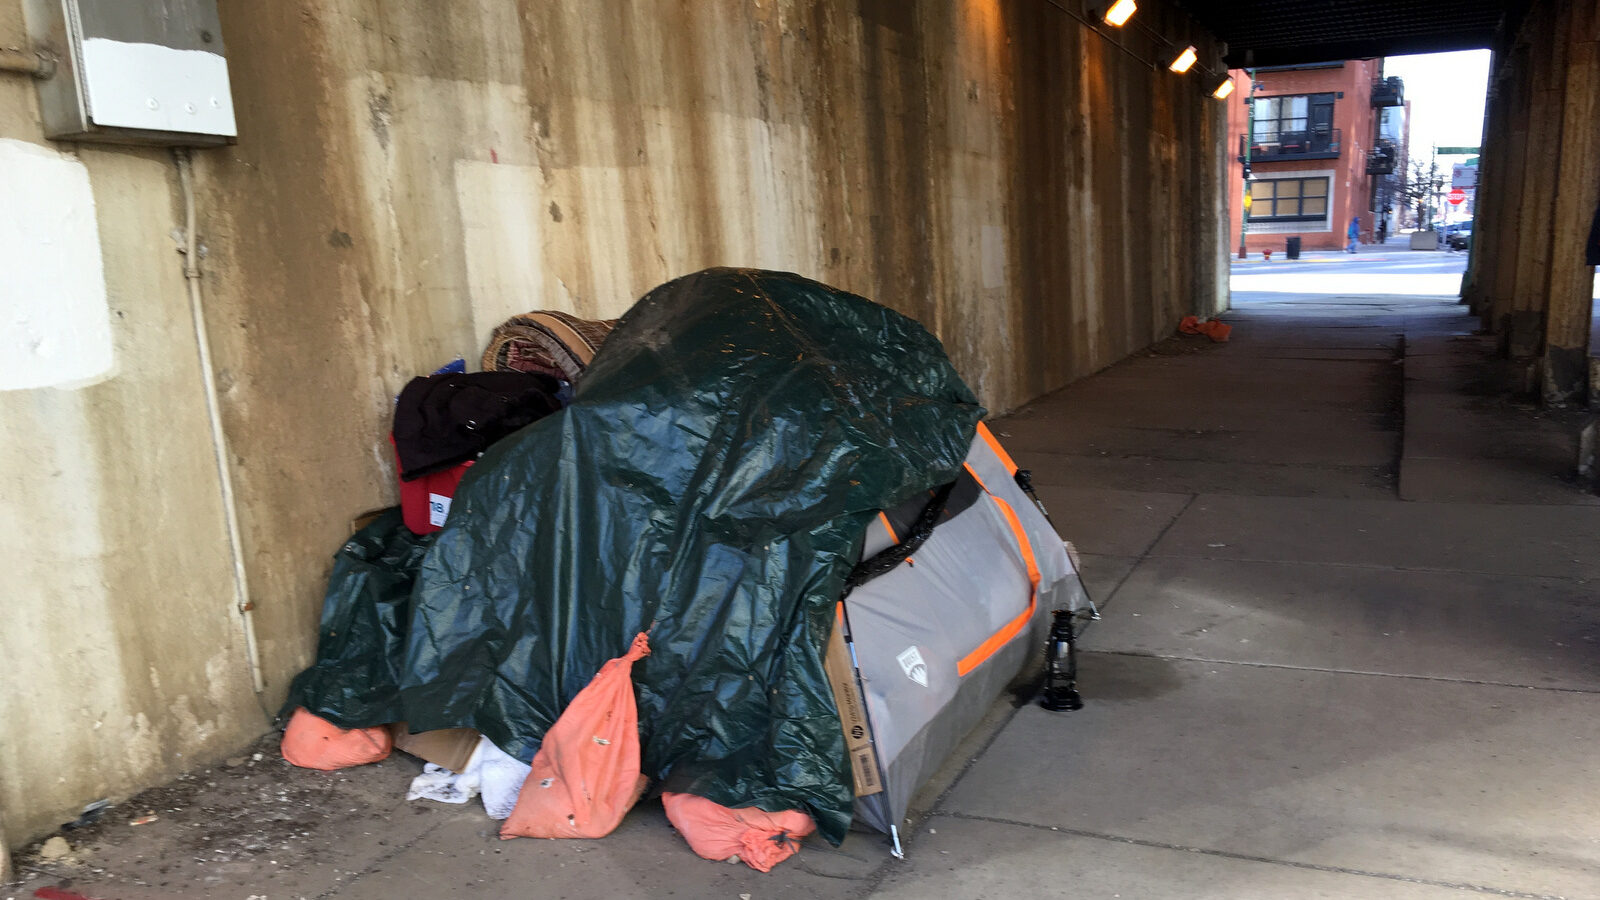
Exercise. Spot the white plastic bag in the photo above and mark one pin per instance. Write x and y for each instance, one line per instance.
(490, 771)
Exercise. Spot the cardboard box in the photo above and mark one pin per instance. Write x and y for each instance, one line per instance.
(452, 747)
(852, 715)
(448, 747)
(367, 518)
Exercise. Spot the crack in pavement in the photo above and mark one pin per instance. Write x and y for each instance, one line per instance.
(1246, 857)
(1333, 671)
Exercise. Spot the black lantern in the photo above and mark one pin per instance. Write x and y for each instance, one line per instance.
(1061, 666)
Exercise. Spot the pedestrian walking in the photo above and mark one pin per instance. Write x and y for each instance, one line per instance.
(1355, 233)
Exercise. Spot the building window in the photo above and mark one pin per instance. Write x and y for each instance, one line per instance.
(1275, 115)
(1289, 200)
(1294, 118)
(1392, 125)
(1298, 126)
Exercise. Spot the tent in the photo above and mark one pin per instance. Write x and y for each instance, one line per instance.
(938, 639)
(741, 458)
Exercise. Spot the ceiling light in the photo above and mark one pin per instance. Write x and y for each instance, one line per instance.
(1223, 89)
(1184, 60)
(1120, 12)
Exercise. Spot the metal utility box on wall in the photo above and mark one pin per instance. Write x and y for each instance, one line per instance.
(133, 71)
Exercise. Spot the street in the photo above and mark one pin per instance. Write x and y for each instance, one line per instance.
(1390, 269)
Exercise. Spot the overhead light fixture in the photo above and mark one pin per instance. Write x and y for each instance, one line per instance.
(1120, 12)
(1223, 89)
(1184, 60)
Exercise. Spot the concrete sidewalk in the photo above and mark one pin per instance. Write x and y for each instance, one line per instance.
(1304, 685)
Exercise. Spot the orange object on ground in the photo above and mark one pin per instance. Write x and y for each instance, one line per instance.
(760, 839)
(312, 742)
(586, 775)
(1216, 331)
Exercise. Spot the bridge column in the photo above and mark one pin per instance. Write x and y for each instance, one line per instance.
(1490, 228)
(1569, 288)
(1546, 82)
(1511, 147)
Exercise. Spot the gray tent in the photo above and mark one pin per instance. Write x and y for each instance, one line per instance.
(938, 638)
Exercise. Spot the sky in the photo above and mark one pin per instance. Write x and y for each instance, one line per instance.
(1446, 91)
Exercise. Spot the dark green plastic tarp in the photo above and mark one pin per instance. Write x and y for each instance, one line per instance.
(711, 485)
(366, 615)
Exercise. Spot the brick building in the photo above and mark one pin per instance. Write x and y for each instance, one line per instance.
(1326, 143)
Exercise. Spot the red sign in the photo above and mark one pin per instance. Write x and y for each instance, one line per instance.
(1456, 196)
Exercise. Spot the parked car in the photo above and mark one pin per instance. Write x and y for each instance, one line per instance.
(1456, 235)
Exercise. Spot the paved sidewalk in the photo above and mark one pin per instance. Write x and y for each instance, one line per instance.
(1304, 685)
(1301, 678)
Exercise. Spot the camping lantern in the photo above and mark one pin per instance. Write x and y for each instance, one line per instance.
(1061, 666)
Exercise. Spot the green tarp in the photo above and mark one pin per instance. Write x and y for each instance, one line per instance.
(710, 484)
(366, 616)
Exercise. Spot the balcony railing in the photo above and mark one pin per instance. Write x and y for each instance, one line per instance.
(1382, 158)
(1389, 91)
(1319, 144)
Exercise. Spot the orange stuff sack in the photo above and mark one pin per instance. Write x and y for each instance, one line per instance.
(760, 839)
(586, 776)
(312, 742)
(1216, 331)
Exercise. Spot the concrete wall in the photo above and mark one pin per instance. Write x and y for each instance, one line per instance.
(408, 174)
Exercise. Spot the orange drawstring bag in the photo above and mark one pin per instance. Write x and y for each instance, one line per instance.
(1216, 331)
(312, 742)
(760, 839)
(586, 776)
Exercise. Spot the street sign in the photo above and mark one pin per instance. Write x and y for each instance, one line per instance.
(1457, 196)
(1455, 151)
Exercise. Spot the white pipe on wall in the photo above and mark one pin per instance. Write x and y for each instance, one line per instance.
(219, 441)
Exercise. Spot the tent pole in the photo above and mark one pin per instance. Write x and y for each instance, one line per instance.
(883, 773)
(1024, 479)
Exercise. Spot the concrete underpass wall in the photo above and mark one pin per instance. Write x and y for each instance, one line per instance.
(409, 173)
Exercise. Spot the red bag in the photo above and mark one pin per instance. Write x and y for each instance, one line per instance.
(760, 839)
(1216, 331)
(312, 742)
(586, 776)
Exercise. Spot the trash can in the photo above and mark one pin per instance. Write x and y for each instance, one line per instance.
(1293, 249)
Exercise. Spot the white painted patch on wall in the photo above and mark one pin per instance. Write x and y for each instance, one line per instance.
(502, 209)
(132, 85)
(994, 257)
(55, 323)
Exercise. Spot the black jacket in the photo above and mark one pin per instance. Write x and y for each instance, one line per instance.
(443, 420)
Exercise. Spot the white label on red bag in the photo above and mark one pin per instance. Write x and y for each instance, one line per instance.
(438, 509)
(915, 669)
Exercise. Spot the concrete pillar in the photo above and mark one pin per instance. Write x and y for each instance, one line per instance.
(1510, 149)
(1541, 161)
(1570, 282)
(1488, 228)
